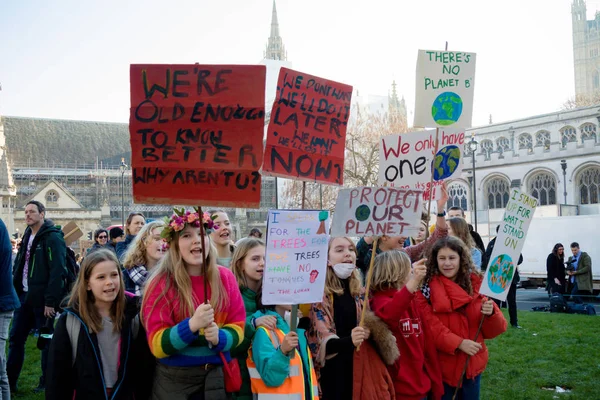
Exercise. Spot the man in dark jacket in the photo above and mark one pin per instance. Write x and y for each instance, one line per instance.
(8, 303)
(459, 212)
(39, 279)
(511, 297)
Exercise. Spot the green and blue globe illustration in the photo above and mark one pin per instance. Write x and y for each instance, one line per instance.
(501, 273)
(362, 213)
(445, 162)
(447, 108)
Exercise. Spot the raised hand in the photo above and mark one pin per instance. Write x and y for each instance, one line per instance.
(419, 272)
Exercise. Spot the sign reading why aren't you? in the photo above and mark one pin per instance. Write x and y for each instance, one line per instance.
(444, 89)
(296, 257)
(509, 244)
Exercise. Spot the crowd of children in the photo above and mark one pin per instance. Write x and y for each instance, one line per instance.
(200, 330)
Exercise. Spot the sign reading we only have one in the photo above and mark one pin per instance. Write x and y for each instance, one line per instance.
(407, 160)
(509, 244)
(444, 89)
(377, 211)
(296, 257)
(306, 137)
(196, 134)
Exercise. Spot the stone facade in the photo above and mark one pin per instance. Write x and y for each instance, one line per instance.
(586, 50)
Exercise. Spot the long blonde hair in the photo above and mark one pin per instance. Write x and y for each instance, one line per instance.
(171, 269)
(460, 229)
(240, 253)
(82, 300)
(390, 270)
(136, 253)
(333, 284)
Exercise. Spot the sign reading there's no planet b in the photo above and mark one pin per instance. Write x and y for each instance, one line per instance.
(407, 161)
(368, 211)
(509, 244)
(444, 89)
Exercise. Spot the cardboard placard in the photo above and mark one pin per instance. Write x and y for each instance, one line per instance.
(306, 138)
(407, 160)
(509, 244)
(296, 258)
(369, 211)
(444, 89)
(196, 134)
(71, 233)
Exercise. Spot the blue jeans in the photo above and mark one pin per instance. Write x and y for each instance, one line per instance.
(574, 292)
(468, 391)
(26, 318)
(5, 317)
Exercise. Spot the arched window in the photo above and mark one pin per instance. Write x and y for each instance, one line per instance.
(498, 192)
(487, 146)
(503, 144)
(588, 185)
(51, 196)
(542, 139)
(588, 132)
(458, 196)
(542, 186)
(525, 142)
(568, 134)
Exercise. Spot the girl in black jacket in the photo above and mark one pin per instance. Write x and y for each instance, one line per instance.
(99, 349)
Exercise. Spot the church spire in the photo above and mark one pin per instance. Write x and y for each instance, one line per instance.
(275, 49)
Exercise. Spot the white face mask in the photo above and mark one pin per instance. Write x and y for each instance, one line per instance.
(344, 270)
(288, 318)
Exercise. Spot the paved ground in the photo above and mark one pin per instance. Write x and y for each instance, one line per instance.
(528, 298)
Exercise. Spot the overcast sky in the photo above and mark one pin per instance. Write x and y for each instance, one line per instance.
(69, 59)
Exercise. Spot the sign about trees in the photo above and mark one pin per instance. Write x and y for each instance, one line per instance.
(509, 243)
(444, 89)
(296, 258)
(306, 138)
(196, 134)
(407, 161)
(368, 211)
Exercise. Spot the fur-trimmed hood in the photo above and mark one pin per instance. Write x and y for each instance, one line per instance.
(382, 337)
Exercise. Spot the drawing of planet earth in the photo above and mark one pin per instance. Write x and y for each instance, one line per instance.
(447, 108)
(501, 273)
(445, 162)
(362, 212)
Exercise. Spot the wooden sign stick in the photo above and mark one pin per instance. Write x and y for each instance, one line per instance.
(368, 284)
(204, 266)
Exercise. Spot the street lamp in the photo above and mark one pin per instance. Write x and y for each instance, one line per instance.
(123, 168)
(473, 149)
(563, 165)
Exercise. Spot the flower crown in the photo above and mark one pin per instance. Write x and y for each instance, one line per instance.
(180, 218)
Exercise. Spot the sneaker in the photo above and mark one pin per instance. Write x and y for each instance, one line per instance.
(517, 326)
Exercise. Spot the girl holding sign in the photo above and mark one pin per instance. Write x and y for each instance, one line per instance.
(191, 339)
(222, 238)
(334, 333)
(248, 264)
(459, 316)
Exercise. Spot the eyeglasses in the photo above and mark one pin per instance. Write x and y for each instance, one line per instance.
(102, 237)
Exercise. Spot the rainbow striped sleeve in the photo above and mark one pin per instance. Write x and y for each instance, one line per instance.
(166, 342)
(233, 321)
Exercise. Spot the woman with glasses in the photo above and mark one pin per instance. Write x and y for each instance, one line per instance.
(100, 240)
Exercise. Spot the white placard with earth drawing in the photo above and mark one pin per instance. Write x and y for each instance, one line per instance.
(444, 89)
(407, 160)
(509, 244)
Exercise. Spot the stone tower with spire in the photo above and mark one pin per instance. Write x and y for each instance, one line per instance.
(396, 107)
(8, 190)
(275, 49)
(586, 50)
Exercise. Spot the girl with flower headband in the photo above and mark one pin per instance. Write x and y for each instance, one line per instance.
(188, 337)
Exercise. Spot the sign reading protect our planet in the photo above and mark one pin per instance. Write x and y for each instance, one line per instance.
(444, 89)
(369, 211)
(296, 257)
(509, 243)
(407, 161)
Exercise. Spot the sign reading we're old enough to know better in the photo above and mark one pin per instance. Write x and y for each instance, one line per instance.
(196, 134)
(444, 89)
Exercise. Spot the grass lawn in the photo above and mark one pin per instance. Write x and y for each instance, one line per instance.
(551, 350)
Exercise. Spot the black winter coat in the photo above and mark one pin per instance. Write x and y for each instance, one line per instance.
(84, 380)
(555, 268)
(47, 267)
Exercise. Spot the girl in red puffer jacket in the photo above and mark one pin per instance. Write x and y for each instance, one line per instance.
(452, 306)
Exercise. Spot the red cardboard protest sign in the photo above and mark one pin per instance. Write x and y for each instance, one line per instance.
(306, 138)
(196, 134)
